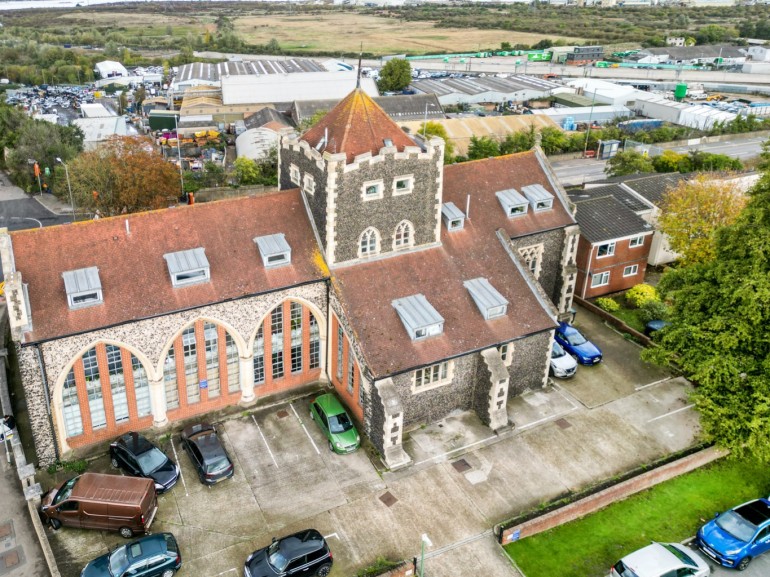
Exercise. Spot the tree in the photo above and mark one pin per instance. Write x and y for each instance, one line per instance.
(692, 211)
(433, 128)
(482, 147)
(628, 162)
(246, 170)
(395, 75)
(125, 175)
(670, 161)
(718, 335)
(519, 141)
(762, 164)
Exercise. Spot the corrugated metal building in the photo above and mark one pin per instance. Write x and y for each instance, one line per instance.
(203, 73)
(475, 90)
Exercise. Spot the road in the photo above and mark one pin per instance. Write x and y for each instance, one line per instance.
(575, 172)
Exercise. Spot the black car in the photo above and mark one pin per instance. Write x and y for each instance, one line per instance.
(138, 457)
(151, 556)
(654, 326)
(207, 453)
(302, 554)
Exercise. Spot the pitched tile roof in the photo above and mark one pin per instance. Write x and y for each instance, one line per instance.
(355, 126)
(134, 275)
(606, 218)
(623, 195)
(481, 179)
(652, 188)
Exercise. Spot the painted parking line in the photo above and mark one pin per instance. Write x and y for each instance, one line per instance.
(331, 535)
(652, 384)
(304, 428)
(671, 413)
(454, 451)
(225, 572)
(181, 475)
(253, 418)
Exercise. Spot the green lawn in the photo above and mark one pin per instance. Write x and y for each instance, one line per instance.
(671, 511)
(630, 317)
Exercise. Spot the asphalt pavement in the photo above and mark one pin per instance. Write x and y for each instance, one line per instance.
(19, 211)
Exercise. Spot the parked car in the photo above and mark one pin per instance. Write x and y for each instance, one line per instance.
(735, 537)
(335, 423)
(563, 366)
(152, 556)
(654, 325)
(138, 457)
(584, 351)
(661, 560)
(300, 555)
(207, 453)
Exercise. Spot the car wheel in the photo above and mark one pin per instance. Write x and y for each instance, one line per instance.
(323, 570)
(126, 532)
(331, 447)
(167, 573)
(56, 524)
(743, 564)
(114, 463)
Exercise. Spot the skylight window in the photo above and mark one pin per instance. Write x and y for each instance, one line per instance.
(83, 287)
(274, 249)
(513, 203)
(490, 302)
(188, 267)
(539, 198)
(420, 319)
(453, 217)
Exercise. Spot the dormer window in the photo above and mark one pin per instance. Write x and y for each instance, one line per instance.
(274, 249)
(420, 319)
(539, 198)
(490, 302)
(188, 267)
(403, 185)
(83, 287)
(372, 190)
(453, 217)
(513, 203)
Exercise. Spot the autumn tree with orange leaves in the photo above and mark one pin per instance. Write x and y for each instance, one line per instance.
(124, 175)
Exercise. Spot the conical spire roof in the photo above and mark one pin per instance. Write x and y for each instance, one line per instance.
(355, 126)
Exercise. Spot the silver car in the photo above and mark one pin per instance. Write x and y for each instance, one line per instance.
(563, 365)
(661, 560)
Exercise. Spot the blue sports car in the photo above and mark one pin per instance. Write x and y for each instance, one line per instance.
(735, 537)
(584, 351)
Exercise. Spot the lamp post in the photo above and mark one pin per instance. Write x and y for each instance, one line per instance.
(423, 541)
(69, 186)
(179, 155)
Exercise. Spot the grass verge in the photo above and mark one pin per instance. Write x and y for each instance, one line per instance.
(671, 511)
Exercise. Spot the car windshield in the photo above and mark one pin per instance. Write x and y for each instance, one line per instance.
(150, 461)
(65, 491)
(736, 526)
(576, 339)
(681, 555)
(276, 559)
(340, 423)
(118, 561)
(216, 464)
(557, 351)
(621, 569)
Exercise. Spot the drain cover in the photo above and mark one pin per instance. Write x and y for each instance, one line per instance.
(461, 466)
(282, 414)
(563, 423)
(388, 499)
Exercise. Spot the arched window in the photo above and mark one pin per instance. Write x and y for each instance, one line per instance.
(211, 345)
(369, 243)
(94, 390)
(117, 383)
(73, 424)
(404, 237)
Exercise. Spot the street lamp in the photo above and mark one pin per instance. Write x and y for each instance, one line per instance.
(424, 541)
(69, 186)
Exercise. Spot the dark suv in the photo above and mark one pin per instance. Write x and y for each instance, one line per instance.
(207, 453)
(303, 554)
(140, 458)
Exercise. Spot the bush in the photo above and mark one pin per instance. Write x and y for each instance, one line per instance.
(640, 294)
(653, 310)
(607, 304)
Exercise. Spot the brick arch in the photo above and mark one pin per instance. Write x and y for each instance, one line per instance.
(89, 435)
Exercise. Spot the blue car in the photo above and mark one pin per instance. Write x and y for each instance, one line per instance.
(151, 556)
(584, 351)
(735, 537)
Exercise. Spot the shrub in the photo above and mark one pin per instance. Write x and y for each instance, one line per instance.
(640, 294)
(653, 310)
(607, 304)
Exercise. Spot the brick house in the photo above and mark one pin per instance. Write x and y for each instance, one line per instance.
(411, 288)
(614, 242)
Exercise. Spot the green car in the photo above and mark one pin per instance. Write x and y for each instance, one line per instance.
(335, 423)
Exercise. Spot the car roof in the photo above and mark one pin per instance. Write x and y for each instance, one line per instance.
(756, 512)
(301, 543)
(151, 545)
(567, 329)
(652, 561)
(206, 440)
(330, 404)
(135, 443)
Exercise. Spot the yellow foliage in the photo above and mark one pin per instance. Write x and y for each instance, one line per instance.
(320, 262)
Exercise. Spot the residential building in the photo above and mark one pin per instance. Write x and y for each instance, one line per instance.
(364, 273)
(675, 41)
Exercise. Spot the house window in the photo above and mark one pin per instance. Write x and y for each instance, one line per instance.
(600, 279)
(73, 423)
(432, 376)
(276, 340)
(636, 241)
(294, 174)
(169, 379)
(607, 249)
(94, 390)
(351, 372)
(369, 243)
(315, 343)
(308, 184)
(360, 392)
(211, 345)
(543, 205)
(403, 185)
(296, 337)
(533, 258)
(259, 357)
(340, 349)
(506, 353)
(372, 190)
(403, 238)
(141, 388)
(190, 354)
(233, 365)
(631, 270)
(117, 383)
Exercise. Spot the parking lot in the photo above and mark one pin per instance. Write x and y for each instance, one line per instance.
(464, 479)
